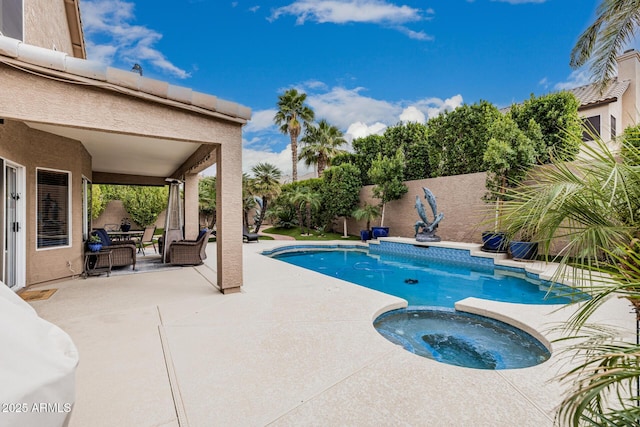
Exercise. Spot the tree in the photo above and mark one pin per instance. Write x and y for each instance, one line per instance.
(321, 144)
(458, 139)
(509, 155)
(368, 212)
(613, 28)
(98, 201)
(266, 185)
(341, 191)
(207, 199)
(386, 173)
(413, 139)
(291, 116)
(144, 204)
(557, 115)
(366, 149)
(310, 200)
(248, 199)
(593, 206)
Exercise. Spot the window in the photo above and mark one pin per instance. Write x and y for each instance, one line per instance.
(86, 208)
(591, 127)
(11, 22)
(54, 208)
(614, 132)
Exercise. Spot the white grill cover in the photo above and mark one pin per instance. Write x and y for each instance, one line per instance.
(37, 367)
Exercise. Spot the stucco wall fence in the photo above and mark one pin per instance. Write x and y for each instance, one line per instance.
(458, 197)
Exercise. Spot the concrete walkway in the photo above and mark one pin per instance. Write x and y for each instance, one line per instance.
(294, 348)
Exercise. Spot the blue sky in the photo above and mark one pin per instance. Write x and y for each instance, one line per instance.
(364, 64)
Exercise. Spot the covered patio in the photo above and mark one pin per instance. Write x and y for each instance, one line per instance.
(109, 126)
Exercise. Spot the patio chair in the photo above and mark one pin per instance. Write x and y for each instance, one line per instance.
(112, 227)
(123, 252)
(247, 236)
(147, 237)
(189, 252)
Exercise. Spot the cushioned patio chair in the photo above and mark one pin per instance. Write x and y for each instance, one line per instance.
(249, 237)
(123, 252)
(189, 252)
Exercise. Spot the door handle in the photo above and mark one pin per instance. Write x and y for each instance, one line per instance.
(16, 227)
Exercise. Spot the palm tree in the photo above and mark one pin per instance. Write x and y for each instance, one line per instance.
(310, 200)
(248, 199)
(266, 185)
(600, 43)
(591, 207)
(292, 114)
(368, 212)
(321, 145)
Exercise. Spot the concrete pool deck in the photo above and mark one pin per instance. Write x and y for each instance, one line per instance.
(293, 348)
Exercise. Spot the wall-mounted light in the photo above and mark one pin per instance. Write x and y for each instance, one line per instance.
(1, 121)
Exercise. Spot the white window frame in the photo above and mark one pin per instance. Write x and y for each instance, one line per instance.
(21, 216)
(69, 210)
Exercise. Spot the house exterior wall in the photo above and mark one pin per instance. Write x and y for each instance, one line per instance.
(34, 149)
(458, 197)
(45, 25)
(629, 69)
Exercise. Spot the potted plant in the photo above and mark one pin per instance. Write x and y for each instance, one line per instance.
(94, 243)
(125, 225)
(509, 155)
(368, 212)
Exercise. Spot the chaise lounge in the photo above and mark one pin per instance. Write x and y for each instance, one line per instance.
(249, 237)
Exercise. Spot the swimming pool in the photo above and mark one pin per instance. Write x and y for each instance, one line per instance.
(427, 282)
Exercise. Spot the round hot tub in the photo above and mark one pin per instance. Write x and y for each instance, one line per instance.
(461, 339)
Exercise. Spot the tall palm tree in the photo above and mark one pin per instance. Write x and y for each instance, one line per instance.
(321, 144)
(291, 116)
(266, 185)
(601, 42)
(593, 207)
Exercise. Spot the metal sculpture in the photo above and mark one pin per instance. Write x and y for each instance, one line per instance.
(428, 228)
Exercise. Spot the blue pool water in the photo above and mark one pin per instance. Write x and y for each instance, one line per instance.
(461, 339)
(426, 282)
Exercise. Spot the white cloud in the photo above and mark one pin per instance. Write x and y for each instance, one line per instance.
(260, 120)
(345, 11)
(357, 11)
(111, 20)
(361, 130)
(412, 114)
(577, 78)
(282, 160)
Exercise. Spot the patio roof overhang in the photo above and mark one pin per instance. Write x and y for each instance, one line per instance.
(137, 130)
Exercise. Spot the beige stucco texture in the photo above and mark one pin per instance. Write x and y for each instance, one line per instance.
(458, 197)
(35, 149)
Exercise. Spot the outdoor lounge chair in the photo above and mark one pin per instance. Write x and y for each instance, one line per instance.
(189, 252)
(248, 237)
(123, 252)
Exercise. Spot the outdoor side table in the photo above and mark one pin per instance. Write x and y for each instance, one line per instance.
(96, 263)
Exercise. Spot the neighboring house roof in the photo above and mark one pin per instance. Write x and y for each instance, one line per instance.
(16, 53)
(591, 94)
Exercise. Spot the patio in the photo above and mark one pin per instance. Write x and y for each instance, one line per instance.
(293, 348)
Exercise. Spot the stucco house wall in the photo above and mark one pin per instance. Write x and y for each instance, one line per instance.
(458, 197)
(45, 25)
(35, 149)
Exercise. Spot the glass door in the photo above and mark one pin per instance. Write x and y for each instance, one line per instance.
(12, 226)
